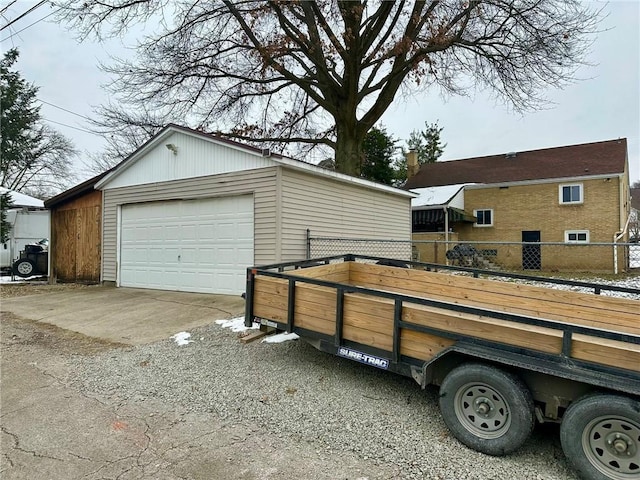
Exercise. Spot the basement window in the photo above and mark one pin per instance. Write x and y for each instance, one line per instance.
(576, 236)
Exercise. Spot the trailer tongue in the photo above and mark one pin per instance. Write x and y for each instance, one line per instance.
(504, 354)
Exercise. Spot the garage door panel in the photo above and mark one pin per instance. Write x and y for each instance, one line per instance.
(195, 245)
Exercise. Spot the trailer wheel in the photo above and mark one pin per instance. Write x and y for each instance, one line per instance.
(600, 436)
(24, 267)
(487, 409)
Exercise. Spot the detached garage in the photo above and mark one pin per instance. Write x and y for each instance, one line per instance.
(190, 212)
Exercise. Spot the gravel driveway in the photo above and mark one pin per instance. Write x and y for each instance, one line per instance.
(277, 411)
(297, 393)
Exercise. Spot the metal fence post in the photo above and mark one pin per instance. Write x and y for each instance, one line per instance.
(308, 244)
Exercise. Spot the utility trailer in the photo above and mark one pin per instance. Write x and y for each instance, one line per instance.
(504, 354)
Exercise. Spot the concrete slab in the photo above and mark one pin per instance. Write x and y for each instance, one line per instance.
(125, 315)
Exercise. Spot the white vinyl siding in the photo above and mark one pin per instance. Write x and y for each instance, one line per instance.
(195, 157)
(338, 209)
(259, 183)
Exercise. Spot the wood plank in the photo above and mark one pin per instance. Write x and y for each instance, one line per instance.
(606, 352)
(514, 289)
(64, 244)
(537, 338)
(366, 313)
(254, 335)
(368, 337)
(422, 345)
(369, 319)
(88, 250)
(539, 307)
(332, 270)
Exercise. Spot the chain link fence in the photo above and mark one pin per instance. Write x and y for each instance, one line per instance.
(500, 256)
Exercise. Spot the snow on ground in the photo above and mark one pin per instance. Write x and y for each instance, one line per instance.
(280, 338)
(16, 279)
(237, 325)
(182, 338)
(628, 282)
(634, 254)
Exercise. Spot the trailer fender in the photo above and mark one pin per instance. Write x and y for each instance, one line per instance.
(434, 370)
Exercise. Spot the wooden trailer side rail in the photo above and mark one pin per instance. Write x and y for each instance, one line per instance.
(377, 310)
(502, 355)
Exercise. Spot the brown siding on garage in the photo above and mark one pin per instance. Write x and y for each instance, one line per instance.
(259, 182)
(75, 242)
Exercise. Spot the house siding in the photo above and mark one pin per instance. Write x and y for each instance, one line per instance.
(537, 207)
(195, 157)
(259, 182)
(337, 209)
(76, 240)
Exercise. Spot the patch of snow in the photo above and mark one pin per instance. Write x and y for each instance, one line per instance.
(634, 253)
(22, 200)
(7, 279)
(235, 324)
(436, 196)
(280, 338)
(182, 338)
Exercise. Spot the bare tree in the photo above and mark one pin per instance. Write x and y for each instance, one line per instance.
(124, 132)
(323, 73)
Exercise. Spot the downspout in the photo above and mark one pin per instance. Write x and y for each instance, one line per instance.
(620, 233)
(446, 225)
(617, 236)
(446, 232)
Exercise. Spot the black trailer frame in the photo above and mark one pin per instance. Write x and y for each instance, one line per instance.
(561, 365)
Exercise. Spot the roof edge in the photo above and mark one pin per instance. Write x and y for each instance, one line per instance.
(277, 158)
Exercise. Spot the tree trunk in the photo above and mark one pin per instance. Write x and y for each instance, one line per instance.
(349, 151)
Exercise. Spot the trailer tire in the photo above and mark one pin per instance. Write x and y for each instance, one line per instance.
(24, 267)
(486, 408)
(600, 436)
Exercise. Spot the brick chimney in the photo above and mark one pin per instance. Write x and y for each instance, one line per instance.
(412, 163)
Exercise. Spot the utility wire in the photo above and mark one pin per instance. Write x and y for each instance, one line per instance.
(23, 15)
(31, 25)
(71, 126)
(7, 7)
(64, 109)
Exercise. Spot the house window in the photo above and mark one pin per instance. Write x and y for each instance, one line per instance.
(571, 194)
(576, 236)
(484, 218)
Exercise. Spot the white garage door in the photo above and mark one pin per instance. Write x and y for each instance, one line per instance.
(187, 245)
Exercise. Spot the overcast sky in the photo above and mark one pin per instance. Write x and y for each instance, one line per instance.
(604, 106)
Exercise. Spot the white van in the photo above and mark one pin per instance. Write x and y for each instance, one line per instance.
(29, 224)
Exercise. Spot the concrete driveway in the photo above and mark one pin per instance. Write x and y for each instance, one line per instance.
(54, 428)
(125, 315)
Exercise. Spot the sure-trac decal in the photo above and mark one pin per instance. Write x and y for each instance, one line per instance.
(364, 358)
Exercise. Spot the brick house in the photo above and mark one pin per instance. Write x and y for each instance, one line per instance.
(570, 194)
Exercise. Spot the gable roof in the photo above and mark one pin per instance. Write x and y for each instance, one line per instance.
(75, 192)
(276, 158)
(588, 159)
